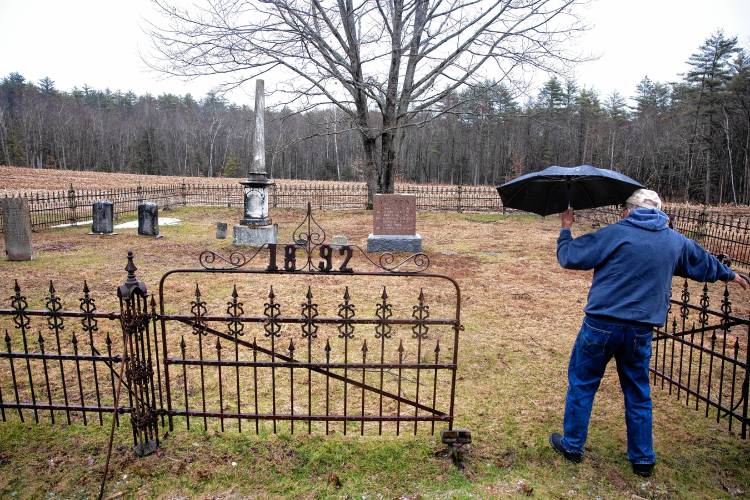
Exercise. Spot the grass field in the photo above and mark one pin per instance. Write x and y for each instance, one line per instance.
(521, 313)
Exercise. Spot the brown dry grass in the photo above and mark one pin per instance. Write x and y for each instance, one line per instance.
(521, 313)
(26, 180)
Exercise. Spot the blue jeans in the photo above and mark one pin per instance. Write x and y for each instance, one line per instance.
(597, 342)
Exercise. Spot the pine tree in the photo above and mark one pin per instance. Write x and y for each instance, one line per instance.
(710, 72)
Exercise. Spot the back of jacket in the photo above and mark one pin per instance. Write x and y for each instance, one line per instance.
(633, 262)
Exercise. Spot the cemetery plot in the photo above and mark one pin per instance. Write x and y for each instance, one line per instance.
(521, 313)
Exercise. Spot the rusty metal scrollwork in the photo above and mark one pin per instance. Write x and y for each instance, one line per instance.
(309, 252)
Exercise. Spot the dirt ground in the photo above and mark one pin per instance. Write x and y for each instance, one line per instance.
(521, 314)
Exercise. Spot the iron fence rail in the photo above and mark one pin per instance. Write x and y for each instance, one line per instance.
(59, 364)
(726, 231)
(50, 209)
(719, 232)
(701, 355)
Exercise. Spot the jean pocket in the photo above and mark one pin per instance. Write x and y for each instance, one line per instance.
(594, 340)
(642, 344)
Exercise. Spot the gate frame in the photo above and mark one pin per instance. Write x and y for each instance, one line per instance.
(310, 237)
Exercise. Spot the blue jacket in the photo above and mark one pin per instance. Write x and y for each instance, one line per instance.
(633, 262)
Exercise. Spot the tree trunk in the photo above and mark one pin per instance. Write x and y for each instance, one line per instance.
(371, 169)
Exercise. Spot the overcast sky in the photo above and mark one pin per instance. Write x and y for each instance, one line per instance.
(99, 42)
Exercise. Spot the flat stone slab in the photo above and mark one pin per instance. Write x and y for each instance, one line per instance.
(394, 243)
(255, 236)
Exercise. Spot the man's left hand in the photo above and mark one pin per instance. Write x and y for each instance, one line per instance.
(741, 280)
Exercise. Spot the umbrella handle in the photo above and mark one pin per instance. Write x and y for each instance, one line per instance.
(567, 192)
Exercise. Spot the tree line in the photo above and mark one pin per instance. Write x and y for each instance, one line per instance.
(689, 139)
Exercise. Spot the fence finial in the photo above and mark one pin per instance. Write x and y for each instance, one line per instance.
(132, 283)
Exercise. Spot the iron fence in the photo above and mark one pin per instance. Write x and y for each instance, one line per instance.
(719, 232)
(58, 208)
(59, 364)
(354, 362)
(701, 355)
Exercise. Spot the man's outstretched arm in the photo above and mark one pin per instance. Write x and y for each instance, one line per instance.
(699, 265)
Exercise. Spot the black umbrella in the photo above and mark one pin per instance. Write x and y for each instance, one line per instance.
(556, 189)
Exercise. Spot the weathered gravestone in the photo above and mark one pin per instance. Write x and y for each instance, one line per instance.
(339, 241)
(221, 230)
(102, 213)
(394, 224)
(17, 228)
(148, 219)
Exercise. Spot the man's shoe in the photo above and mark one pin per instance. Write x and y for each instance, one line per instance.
(555, 439)
(643, 470)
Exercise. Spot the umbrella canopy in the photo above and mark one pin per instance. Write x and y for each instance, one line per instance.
(554, 189)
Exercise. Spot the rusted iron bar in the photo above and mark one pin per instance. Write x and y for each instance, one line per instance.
(63, 314)
(302, 320)
(316, 418)
(299, 364)
(64, 357)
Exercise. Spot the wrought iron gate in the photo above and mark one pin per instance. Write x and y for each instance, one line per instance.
(328, 363)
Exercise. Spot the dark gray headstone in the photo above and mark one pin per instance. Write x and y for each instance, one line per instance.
(221, 230)
(102, 213)
(17, 228)
(148, 219)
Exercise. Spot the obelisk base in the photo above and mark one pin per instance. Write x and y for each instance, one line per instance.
(255, 236)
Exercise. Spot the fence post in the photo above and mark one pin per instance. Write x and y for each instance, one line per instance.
(746, 385)
(183, 193)
(459, 198)
(275, 196)
(701, 231)
(139, 373)
(139, 194)
(72, 204)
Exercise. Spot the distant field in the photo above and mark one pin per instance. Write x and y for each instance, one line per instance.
(25, 180)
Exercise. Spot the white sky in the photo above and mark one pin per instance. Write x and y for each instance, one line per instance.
(98, 43)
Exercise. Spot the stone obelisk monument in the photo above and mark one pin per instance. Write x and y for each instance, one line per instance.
(255, 228)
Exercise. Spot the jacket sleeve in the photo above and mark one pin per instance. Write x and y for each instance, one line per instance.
(583, 253)
(697, 264)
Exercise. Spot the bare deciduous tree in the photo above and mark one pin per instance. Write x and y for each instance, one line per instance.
(386, 64)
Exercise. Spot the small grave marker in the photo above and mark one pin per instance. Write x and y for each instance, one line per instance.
(102, 213)
(148, 219)
(17, 228)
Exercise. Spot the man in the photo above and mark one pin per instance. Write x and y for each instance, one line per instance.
(633, 262)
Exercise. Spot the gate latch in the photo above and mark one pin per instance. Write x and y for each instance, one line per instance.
(456, 440)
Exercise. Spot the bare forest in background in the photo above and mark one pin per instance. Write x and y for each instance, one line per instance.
(689, 140)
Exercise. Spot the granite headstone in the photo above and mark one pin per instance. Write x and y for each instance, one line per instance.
(148, 219)
(17, 228)
(394, 224)
(102, 213)
(221, 230)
